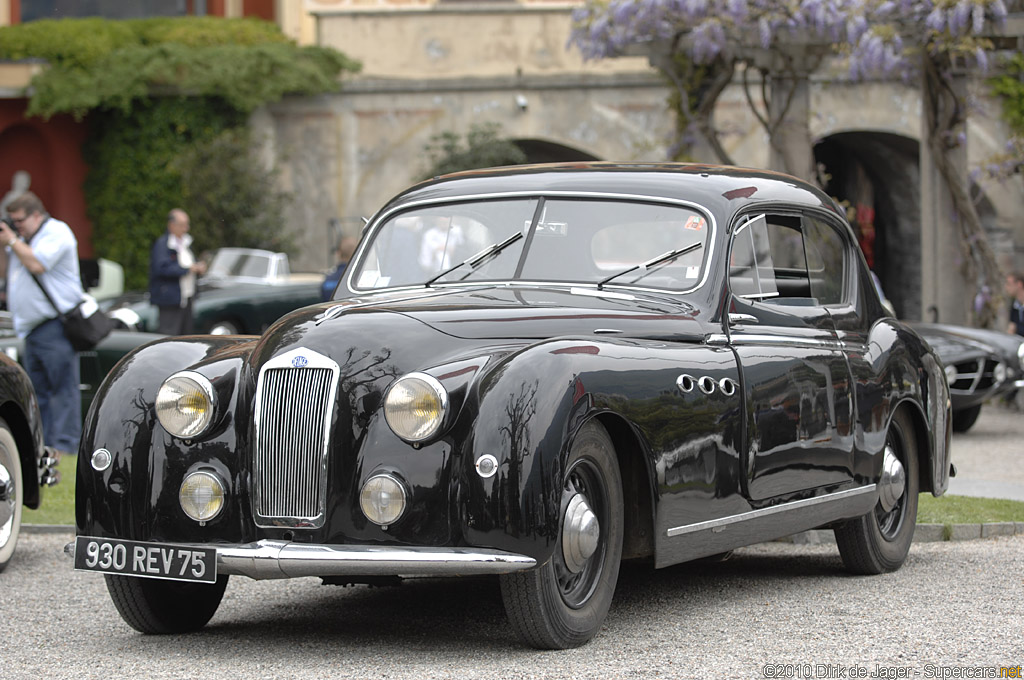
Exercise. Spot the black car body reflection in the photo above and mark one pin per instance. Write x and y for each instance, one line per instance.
(533, 372)
(26, 466)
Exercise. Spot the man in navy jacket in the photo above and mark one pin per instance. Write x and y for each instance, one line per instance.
(172, 275)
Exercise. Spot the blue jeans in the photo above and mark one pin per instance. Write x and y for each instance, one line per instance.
(52, 365)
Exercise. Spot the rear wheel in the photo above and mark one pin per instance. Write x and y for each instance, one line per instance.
(12, 492)
(964, 419)
(563, 603)
(880, 540)
(158, 607)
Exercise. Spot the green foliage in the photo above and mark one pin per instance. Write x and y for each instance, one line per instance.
(1009, 87)
(83, 43)
(166, 100)
(230, 197)
(133, 183)
(244, 76)
(71, 43)
(484, 148)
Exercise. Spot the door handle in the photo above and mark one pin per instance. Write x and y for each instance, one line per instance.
(742, 318)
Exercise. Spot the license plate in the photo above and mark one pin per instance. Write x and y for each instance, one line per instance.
(153, 560)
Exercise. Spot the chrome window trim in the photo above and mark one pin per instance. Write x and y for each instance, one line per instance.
(721, 522)
(378, 220)
(785, 340)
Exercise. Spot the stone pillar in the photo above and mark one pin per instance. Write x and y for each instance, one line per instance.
(946, 295)
(791, 149)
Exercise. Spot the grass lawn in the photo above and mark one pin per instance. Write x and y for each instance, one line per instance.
(59, 505)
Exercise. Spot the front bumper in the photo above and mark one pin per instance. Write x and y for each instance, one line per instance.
(269, 559)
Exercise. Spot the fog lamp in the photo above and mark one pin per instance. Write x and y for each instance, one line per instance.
(184, 404)
(382, 499)
(415, 406)
(950, 374)
(202, 496)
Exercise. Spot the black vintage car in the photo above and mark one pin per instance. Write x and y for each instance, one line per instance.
(26, 466)
(534, 372)
(980, 364)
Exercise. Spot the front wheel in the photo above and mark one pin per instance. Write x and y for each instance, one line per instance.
(880, 540)
(12, 492)
(563, 603)
(159, 607)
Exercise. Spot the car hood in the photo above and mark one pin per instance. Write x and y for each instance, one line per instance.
(954, 343)
(423, 328)
(537, 313)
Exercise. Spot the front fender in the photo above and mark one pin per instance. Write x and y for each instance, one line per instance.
(148, 464)
(528, 408)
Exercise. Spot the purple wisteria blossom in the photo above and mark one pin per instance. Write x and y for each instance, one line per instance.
(877, 36)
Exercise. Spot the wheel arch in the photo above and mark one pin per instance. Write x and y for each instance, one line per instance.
(637, 487)
(24, 439)
(925, 441)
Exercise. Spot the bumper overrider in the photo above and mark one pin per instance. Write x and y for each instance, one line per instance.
(274, 559)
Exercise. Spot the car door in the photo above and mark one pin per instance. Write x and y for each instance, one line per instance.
(785, 272)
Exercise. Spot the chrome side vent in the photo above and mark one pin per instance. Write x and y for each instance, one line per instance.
(295, 398)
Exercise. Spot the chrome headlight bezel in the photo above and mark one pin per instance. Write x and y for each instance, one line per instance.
(213, 506)
(168, 403)
(395, 503)
(398, 401)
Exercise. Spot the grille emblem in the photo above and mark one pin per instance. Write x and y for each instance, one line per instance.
(299, 361)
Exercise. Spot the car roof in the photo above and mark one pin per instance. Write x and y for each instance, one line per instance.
(722, 189)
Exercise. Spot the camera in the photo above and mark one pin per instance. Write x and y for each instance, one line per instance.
(10, 223)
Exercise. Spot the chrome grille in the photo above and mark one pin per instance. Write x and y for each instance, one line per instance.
(293, 414)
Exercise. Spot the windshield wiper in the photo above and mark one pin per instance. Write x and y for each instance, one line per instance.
(664, 257)
(476, 260)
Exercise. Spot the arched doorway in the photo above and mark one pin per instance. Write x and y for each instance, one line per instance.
(540, 151)
(877, 176)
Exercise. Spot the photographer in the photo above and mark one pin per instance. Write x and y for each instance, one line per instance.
(37, 244)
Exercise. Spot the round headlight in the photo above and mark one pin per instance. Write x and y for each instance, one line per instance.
(202, 496)
(999, 373)
(382, 499)
(1020, 355)
(415, 406)
(950, 374)
(184, 404)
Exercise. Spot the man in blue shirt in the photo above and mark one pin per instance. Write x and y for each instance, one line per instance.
(47, 248)
(173, 271)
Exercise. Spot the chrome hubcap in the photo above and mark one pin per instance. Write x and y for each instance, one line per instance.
(581, 534)
(893, 482)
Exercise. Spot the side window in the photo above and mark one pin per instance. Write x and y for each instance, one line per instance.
(751, 268)
(826, 261)
(786, 260)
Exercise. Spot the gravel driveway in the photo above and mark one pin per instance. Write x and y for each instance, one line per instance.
(953, 606)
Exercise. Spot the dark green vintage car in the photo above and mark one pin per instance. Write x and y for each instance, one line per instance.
(244, 291)
(95, 363)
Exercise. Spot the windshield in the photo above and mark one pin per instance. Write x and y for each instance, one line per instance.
(620, 242)
(242, 263)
